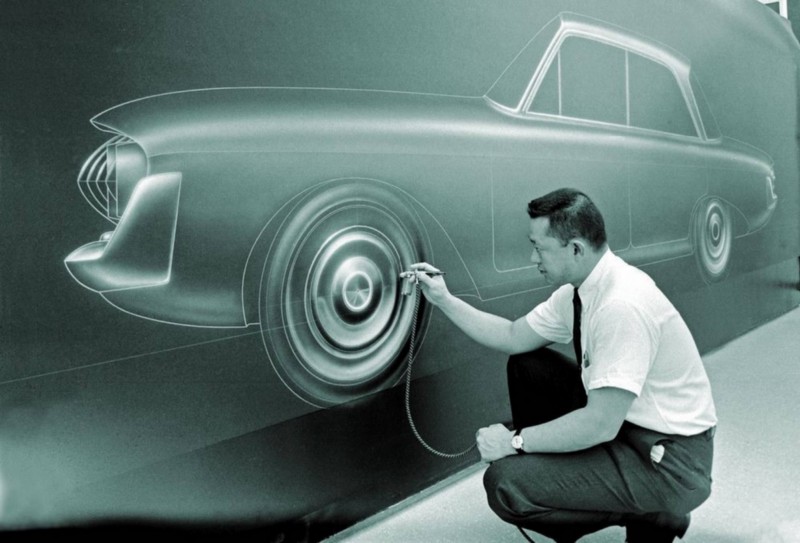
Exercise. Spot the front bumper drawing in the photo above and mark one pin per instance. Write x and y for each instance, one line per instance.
(138, 253)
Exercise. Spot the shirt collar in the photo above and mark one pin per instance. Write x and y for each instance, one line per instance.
(593, 282)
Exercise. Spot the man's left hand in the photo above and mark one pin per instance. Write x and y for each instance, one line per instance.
(494, 442)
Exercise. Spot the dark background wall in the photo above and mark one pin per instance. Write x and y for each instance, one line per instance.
(105, 416)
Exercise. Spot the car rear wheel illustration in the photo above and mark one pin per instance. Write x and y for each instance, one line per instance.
(334, 321)
(713, 239)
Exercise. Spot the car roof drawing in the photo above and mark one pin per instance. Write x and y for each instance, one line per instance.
(543, 50)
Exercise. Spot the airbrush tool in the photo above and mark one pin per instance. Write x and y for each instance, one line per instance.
(410, 280)
(412, 277)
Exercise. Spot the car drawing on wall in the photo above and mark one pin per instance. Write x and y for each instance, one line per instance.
(295, 209)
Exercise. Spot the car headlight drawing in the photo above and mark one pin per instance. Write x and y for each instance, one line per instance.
(109, 175)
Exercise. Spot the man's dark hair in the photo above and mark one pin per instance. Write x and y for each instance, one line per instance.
(572, 215)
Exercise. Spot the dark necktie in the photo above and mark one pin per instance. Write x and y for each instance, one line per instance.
(577, 306)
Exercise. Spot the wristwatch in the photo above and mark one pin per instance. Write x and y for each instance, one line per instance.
(517, 442)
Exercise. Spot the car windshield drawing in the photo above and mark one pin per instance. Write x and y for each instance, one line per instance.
(295, 209)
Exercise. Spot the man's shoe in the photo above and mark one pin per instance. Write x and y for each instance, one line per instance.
(657, 528)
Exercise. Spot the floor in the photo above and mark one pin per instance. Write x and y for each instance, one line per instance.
(756, 493)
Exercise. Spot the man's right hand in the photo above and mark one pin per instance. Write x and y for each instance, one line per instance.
(487, 329)
(433, 286)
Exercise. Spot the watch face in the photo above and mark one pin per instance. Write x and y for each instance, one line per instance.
(516, 442)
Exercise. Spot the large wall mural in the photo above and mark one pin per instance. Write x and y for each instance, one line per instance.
(235, 301)
(326, 294)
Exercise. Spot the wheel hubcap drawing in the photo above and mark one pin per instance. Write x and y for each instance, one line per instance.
(714, 238)
(357, 291)
(350, 302)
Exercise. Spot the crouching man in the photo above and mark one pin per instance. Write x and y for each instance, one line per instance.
(624, 437)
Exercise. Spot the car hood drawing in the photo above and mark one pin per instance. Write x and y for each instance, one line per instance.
(295, 209)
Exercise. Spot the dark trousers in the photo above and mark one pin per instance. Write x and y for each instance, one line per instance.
(565, 496)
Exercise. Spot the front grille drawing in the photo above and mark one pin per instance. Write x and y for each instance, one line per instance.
(97, 179)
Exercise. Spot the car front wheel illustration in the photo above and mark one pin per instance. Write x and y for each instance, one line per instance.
(713, 239)
(333, 317)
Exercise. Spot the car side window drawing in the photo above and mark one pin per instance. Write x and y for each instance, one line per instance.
(655, 99)
(585, 80)
(595, 81)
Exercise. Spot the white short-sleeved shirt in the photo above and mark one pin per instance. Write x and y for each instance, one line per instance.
(634, 339)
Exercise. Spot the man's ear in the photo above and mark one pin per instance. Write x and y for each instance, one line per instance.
(578, 247)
